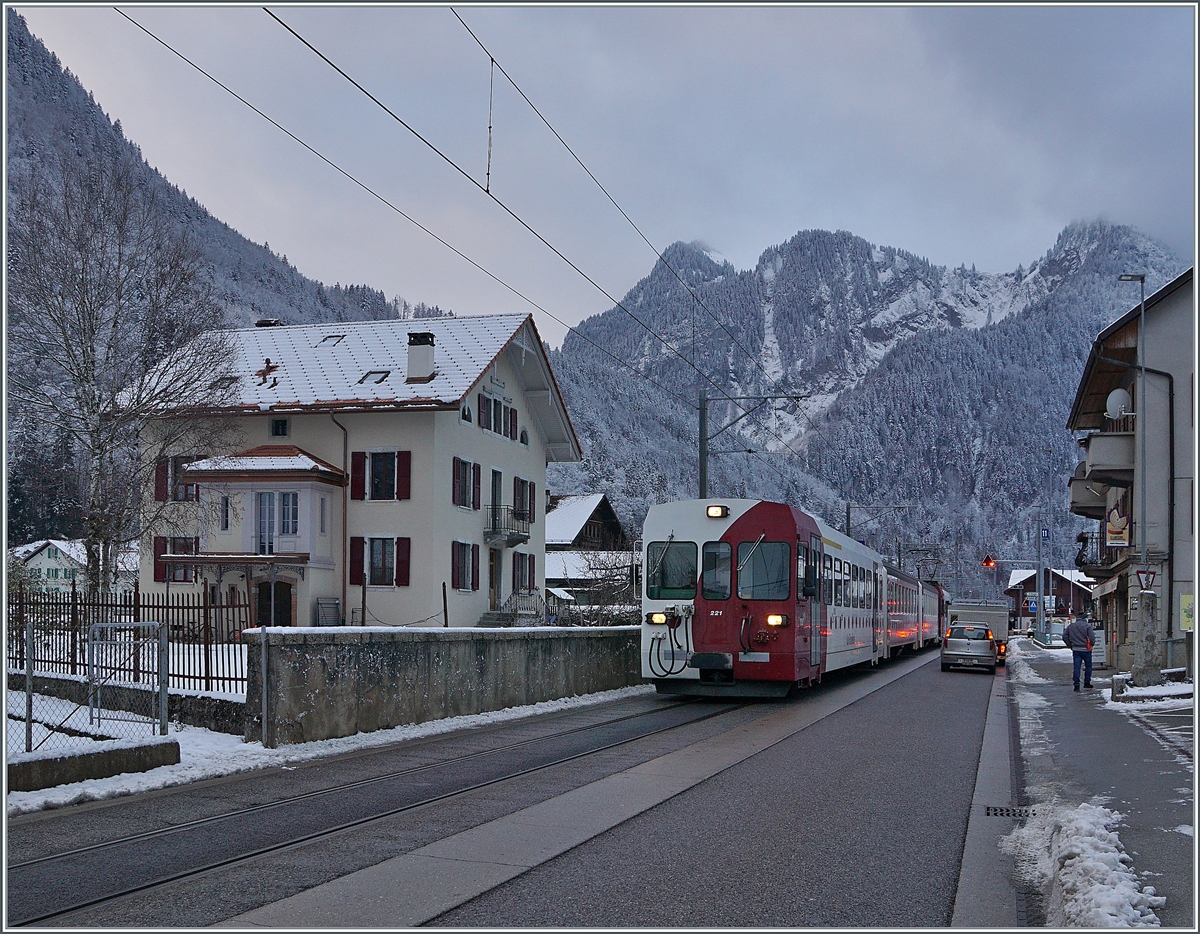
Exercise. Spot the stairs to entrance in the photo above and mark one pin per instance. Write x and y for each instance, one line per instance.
(494, 619)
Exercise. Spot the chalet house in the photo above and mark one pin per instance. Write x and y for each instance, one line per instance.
(55, 563)
(583, 523)
(1070, 593)
(1136, 471)
(387, 472)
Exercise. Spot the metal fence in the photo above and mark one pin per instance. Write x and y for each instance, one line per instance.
(205, 651)
(122, 691)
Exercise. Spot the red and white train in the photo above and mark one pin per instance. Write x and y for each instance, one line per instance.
(749, 598)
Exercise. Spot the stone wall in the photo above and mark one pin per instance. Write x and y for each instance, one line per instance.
(334, 681)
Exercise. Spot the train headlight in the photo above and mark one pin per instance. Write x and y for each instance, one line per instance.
(777, 619)
(657, 619)
(717, 512)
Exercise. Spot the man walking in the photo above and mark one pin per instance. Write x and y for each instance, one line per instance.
(1078, 638)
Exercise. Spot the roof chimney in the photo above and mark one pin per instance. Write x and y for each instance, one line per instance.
(420, 357)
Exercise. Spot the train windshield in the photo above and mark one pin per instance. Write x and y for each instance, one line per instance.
(672, 571)
(764, 570)
(718, 563)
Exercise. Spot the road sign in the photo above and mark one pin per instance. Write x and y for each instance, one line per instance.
(1045, 534)
(1031, 606)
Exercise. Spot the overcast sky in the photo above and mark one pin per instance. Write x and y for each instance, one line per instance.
(967, 135)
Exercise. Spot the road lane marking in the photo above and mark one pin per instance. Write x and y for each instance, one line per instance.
(408, 890)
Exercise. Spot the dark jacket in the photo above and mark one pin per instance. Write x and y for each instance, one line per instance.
(1078, 635)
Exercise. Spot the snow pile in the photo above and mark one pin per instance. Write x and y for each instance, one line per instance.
(205, 754)
(1019, 669)
(1157, 692)
(1074, 856)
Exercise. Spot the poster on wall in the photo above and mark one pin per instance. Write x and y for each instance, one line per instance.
(1186, 612)
(1116, 529)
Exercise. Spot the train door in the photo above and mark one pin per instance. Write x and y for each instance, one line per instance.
(815, 607)
(876, 614)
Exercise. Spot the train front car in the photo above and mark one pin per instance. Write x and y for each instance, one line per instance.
(730, 603)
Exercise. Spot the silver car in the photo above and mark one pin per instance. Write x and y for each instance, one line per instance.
(969, 646)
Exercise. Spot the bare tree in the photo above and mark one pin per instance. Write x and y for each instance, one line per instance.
(611, 598)
(112, 325)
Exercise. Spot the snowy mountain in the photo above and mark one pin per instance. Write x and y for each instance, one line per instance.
(919, 384)
(52, 117)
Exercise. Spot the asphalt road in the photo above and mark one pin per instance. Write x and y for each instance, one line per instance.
(857, 820)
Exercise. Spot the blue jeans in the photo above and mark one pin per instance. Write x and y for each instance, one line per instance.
(1085, 656)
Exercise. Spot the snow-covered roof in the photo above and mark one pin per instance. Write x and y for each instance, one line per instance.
(567, 518)
(75, 550)
(271, 458)
(1074, 575)
(583, 565)
(359, 365)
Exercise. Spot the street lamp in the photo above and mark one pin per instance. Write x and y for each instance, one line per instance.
(1142, 425)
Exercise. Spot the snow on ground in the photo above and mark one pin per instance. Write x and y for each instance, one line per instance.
(1071, 853)
(1074, 855)
(205, 754)
(1157, 692)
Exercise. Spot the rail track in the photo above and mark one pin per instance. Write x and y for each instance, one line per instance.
(48, 888)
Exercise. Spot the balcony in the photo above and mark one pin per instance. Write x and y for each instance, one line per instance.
(1110, 458)
(1087, 496)
(1095, 559)
(506, 525)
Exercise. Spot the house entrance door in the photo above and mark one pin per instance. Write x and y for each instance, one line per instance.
(283, 603)
(494, 577)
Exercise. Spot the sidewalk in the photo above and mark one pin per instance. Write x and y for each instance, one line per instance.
(1109, 842)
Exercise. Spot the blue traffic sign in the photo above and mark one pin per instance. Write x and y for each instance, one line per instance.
(1045, 534)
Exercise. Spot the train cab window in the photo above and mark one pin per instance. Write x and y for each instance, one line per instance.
(717, 570)
(671, 571)
(764, 570)
(828, 585)
(801, 570)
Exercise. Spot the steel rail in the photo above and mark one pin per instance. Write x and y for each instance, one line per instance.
(352, 824)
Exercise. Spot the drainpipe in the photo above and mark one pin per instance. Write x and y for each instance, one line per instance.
(1170, 588)
(345, 486)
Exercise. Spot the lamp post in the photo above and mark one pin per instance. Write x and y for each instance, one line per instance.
(1147, 668)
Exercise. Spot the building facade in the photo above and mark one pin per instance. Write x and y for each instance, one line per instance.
(385, 472)
(1110, 484)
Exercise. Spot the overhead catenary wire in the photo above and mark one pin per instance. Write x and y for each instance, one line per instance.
(516, 217)
(657, 252)
(401, 212)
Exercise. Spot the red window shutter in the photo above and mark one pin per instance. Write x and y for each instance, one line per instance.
(532, 501)
(456, 494)
(358, 475)
(404, 475)
(455, 565)
(476, 474)
(516, 571)
(160, 549)
(474, 567)
(485, 411)
(532, 572)
(512, 424)
(161, 470)
(357, 551)
(403, 553)
(516, 494)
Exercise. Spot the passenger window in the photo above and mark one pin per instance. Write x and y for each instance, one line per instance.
(837, 581)
(828, 578)
(718, 564)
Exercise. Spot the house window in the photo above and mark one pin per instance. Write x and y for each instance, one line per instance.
(279, 428)
(524, 575)
(464, 566)
(289, 513)
(464, 414)
(497, 417)
(224, 520)
(383, 562)
(465, 480)
(523, 494)
(181, 546)
(323, 515)
(266, 523)
(524, 437)
(383, 475)
(180, 490)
